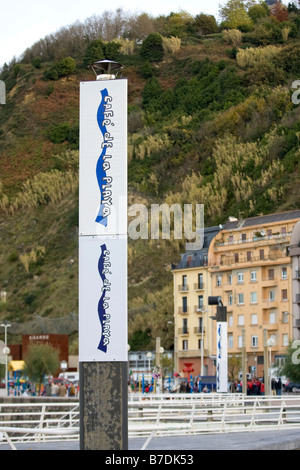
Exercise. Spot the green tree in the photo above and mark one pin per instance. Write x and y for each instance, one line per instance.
(234, 15)
(205, 24)
(291, 368)
(94, 52)
(152, 48)
(41, 360)
(64, 67)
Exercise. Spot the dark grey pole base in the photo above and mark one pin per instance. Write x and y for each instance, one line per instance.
(103, 395)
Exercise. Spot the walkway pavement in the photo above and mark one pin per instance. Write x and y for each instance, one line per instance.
(259, 440)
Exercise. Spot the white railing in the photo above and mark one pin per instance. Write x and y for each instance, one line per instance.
(155, 414)
(40, 421)
(211, 413)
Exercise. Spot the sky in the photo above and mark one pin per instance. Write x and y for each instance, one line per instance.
(22, 23)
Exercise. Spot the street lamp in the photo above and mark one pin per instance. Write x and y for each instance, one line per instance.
(149, 356)
(64, 366)
(6, 351)
(105, 69)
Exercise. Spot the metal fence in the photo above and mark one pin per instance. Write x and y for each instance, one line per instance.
(211, 413)
(154, 415)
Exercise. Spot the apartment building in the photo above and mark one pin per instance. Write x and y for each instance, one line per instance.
(251, 271)
(193, 346)
(295, 261)
(254, 266)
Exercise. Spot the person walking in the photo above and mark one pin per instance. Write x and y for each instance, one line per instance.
(278, 387)
(62, 390)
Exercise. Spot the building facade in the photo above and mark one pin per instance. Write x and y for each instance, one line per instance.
(295, 262)
(249, 265)
(193, 345)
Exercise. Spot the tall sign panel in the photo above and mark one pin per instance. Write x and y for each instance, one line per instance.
(103, 221)
(222, 357)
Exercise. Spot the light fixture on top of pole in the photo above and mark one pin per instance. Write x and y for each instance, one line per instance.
(106, 69)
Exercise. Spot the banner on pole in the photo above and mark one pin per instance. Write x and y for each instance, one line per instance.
(103, 158)
(103, 299)
(222, 357)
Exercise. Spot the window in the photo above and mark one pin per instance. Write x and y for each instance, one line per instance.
(284, 294)
(184, 304)
(240, 341)
(271, 274)
(253, 276)
(230, 299)
(253, 318)
(230, 341)
(269, 233)
(283, 230)
(249, 255)
(219, 281)
(200, 281)
(272, 318)
(260, 360)
(184, 326)
(283, 273)
(285, 317)
(184, 282)
(244, 237)
(271, 295)
(185, 345)
(230, 320)
(254, 341)
(236, 257)
(261, 254)
(230, 240)
(240, 278)
(229, 279)
(285, 339)
(241, 320)
(200, 301)
(240, 299)
(253, 297)
(200, 343)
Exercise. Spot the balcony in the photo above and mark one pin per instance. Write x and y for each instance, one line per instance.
(198, 287)
(198, 330)
(196, 353)
(183, 288)
(277, 238)
(198, 309)
(268, 303)
(298, 298)
(183, 311)
(183, 331)
(269, 281)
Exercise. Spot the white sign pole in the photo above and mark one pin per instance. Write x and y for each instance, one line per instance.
(103, 350)
(222, 357)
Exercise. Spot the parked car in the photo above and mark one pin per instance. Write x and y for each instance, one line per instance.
(292, 387)
(2, 384)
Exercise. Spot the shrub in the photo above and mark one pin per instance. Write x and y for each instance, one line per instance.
(252, 56)
(64, 67)
(59, 134)
(171, 44)
(152, 48)
(232, 36)
(37, 62)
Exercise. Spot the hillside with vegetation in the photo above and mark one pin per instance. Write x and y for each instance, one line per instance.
(211, 120)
